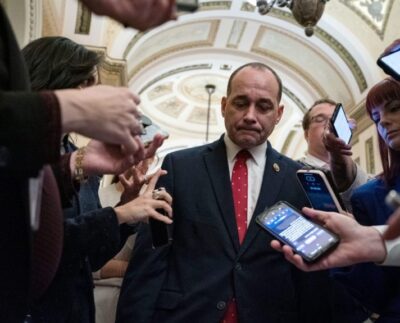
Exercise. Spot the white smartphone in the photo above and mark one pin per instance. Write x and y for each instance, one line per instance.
(321, 192)
(288, 225)
(390, 64)
(340, 124)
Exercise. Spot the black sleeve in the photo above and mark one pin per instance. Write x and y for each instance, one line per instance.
(94, 234)
(30, 131)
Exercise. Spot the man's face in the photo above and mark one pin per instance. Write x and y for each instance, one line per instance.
(319, 116)
(251, 110)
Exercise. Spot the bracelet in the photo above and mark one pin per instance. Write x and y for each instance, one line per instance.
(79, 175)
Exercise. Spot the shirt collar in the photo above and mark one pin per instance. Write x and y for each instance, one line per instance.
(258, 153)
(316, 161)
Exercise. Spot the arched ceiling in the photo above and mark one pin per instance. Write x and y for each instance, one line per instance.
(170, 65)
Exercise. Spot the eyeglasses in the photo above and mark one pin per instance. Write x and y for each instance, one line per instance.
(319, 118)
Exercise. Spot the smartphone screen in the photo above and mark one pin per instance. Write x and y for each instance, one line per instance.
(341, 125)
(318, 190)
(305, 237)
(391, 64)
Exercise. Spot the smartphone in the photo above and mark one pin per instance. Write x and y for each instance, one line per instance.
(288, 225)
(340, 124)
(390, 63)
(159, 232)
(149, 133)
(320, 190)
(187, 5)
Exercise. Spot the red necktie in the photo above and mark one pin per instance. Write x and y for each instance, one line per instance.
(239, 191)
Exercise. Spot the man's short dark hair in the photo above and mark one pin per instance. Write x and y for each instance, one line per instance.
(258, 66)
(307, 119)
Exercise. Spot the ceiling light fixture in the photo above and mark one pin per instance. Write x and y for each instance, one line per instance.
(210, 89)
(306, 12)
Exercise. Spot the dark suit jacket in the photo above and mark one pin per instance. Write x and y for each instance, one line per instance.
(25, 136)
(194, 279)
(378, 288)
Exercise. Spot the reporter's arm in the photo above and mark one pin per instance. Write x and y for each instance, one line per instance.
(30, 132)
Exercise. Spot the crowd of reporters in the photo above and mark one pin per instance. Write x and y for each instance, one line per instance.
(55, 233)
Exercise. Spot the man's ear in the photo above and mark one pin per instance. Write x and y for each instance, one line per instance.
(223, 105)
(280, 113)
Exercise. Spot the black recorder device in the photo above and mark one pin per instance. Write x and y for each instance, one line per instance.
(307, 238)
(320, 189)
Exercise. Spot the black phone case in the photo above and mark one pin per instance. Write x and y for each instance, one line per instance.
(386, 68)
(159, 232)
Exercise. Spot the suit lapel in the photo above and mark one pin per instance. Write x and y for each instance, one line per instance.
(272, 181)
(218, 172)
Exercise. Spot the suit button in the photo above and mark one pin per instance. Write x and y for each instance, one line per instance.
(238, 266)
(221, 305)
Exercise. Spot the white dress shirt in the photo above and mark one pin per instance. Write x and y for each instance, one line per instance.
(255, 169)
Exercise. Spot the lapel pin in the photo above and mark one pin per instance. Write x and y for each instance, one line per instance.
(276, 167)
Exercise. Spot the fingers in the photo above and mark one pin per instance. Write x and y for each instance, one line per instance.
(160, 217)
(136, 101)
(275, 244)
(161, 204)
(130, 145)
(153, 181)
(158, 140)
(320, 216)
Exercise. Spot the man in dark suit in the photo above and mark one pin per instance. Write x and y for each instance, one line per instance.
(214, 271)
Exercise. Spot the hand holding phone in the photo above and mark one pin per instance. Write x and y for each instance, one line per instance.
(288, 225)
(160, 231)
(340, 124)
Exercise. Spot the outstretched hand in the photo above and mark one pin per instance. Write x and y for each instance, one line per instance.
(357, 243)
(146, 205)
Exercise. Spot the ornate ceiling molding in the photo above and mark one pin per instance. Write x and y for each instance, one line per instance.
(333, 43)
(215, 5)
(174, 72)
(83, 20)
(52, 26)
(375, 13)
(112, 71)
(256, 48)
(208, 42)
(236, 34)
